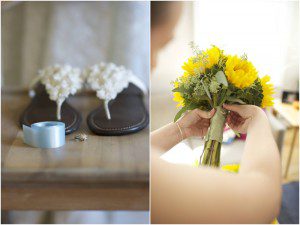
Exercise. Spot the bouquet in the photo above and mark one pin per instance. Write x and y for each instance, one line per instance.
(212, 78)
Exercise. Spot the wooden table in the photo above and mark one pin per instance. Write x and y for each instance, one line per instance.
(291, 115)
(102, 173)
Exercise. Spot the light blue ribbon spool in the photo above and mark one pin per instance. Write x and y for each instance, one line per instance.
(50, 134)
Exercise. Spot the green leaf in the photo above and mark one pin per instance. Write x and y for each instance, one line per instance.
(221, 78)
(180, 112)
(236, 100)
(237, 133)
(200, 97)
(214, 86)
(191, 106)
(228, 92)
(206, 90)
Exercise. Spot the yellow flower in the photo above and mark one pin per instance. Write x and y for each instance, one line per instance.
(190, 67)
(206, 60)
(268, 91)
(177, 96)
(241, 73)
(213, 55)
(234, 168)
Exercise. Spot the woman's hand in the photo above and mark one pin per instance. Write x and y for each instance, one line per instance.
(195, 123)
(240, 116)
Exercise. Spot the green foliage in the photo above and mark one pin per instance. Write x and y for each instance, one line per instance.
(189, 106)
(214, 86)
(221, 78)
(252, 95)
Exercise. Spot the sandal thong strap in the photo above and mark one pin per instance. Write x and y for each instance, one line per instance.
(108, 80)
(60, 82)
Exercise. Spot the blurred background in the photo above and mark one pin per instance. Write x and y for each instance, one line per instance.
(268, 31)
(38, 34)
(81, 34)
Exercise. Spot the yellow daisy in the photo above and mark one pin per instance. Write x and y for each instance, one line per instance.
(241, 73)
(268, 91)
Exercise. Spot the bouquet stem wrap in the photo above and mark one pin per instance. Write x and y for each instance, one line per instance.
(214, 138)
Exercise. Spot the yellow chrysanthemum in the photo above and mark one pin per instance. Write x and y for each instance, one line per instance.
(209, 58)
(177, 96)
(240, 72)
(268, 91)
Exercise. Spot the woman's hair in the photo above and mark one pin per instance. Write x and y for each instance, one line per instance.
(161, 11)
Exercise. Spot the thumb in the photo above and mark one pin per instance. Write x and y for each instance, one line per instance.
(205, 114)
(235, 108)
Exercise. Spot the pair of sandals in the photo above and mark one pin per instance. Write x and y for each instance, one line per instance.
(122, 112)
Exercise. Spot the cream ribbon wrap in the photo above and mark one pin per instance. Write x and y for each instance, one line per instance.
(217, 122)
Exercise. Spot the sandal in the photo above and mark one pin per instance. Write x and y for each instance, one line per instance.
(123, 110)
(49, 91)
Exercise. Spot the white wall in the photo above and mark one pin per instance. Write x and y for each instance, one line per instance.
(267, 30)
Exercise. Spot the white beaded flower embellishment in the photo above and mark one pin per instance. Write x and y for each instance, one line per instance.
(60, 82)
(107, 80)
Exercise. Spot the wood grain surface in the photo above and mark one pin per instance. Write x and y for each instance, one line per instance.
(110, 168)
(75, 197)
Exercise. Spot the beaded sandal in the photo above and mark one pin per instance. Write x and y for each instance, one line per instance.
(123, 110)
(49, 91)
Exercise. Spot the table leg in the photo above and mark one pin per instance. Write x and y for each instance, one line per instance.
(291, 152)
(4, 217)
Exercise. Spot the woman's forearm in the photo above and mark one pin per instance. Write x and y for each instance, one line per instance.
(166, 137)
(261, 153)
(197, 195)
(181, 194)
(192, 123)
(261, 158)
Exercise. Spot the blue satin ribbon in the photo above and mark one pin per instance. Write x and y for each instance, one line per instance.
(50, 134)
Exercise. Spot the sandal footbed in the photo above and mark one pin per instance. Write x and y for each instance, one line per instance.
(41, 108)
(128, 114)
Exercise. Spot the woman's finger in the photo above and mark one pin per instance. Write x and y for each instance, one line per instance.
(205, 114)
(203, 123)
(234, 115)
(240, 109)
(231, 125)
